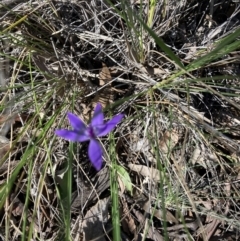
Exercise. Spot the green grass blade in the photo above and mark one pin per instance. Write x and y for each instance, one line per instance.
(152, 7)
(217, 53)
(114, 192)
(162, 45)
(6, 187)
(25, 211)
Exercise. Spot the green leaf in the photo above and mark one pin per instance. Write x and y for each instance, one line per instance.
(123, 174)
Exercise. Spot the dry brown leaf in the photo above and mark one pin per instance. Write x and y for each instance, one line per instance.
(127, 221)
(145, 171)
(40, 63)
(4, 169)
(191, 53)
(104, 96)
(94, 221)
(121, 186)
(6, 121)
(4, 118)
(104, 75)
(154, 71)
(196, 155)
(152, 232)
(191, 225)
(101, 183)
(168, 141)
(4, 148)
(211, 228)
(17, 206)
(159, 213)
(141, 145)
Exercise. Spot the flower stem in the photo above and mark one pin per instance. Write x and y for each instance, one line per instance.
(114, 192)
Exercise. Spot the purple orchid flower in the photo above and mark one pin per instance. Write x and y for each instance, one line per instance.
(96, 128)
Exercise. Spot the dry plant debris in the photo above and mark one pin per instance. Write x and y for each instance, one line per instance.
(180, 143)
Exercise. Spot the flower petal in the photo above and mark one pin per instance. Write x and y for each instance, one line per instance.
(71, 135)
(98, 117)
(110, 125)
(95, 154)
(76, 122)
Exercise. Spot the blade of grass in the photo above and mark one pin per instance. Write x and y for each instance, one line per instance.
(25, 210)
(114, 191)
(162, 174)
(67, 189)
(68, 192)
(21, 19)
(7, 187)
(152, 7)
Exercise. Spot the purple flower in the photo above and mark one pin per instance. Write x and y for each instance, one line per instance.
(96, 128)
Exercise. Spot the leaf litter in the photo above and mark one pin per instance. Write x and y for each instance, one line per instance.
(82, 49)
